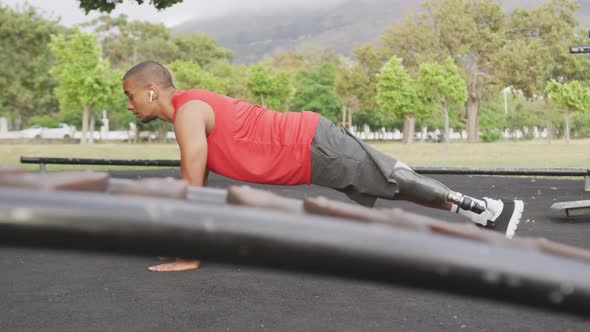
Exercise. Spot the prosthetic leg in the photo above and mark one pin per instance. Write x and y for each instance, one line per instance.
(429, 191)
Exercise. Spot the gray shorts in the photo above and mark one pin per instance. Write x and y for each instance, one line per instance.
(341, 161)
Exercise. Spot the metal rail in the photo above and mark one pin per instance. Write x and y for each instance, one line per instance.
(511, 171)
(44, 161)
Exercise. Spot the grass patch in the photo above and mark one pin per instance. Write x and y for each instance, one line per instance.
(498, 154)
(10, 154)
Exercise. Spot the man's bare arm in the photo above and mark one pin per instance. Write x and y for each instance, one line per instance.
(191, 135)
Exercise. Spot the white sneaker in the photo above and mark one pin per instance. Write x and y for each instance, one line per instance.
(502, 215)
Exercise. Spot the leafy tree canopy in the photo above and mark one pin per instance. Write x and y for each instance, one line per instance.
(108, 5)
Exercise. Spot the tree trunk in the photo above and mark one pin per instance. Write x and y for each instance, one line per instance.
(445, 112)
(349, 118)
(18, 122)
(85, 115)
(91, 139)
(567, 125)
(344, 116)
(409, 124)
(262, 101)
(549, 131)
(162, 132)
(423, 132)
(473, 106)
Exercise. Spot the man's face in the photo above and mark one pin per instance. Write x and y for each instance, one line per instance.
(138, 101)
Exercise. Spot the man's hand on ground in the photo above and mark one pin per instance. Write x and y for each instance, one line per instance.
(179, 265)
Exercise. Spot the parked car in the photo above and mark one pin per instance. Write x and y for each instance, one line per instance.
(63, 131)
(30, 133)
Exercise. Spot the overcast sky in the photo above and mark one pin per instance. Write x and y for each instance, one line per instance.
(70, 12)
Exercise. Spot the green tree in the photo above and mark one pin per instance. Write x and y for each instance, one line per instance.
(84, 81)
(572, 96)
(298, 65)
(109, 32)
(49, 121)
(109, 5)
(259, 83)
(149, 41)
(523, 62)
(412, 41)
(315, 92)
(344, 87)
(443, 83)
(536, 51)
(492, 120)
(126, 43)
(25, 82)
(274, 90)
(472, 33)
(363, 76)
(236, 77)
(188, 75)
(303, 57)
(397, 95)
(301, 61)
(537, 48)
(555, 23)
(200, 48)
(581, 124)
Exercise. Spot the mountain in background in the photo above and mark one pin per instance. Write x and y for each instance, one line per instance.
(342, 27)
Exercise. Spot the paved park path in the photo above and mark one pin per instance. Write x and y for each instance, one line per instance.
(44, 290)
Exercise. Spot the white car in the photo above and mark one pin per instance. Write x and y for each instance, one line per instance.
(30, 133)
(63, 131)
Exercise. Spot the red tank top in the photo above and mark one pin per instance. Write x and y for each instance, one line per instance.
(251, 143)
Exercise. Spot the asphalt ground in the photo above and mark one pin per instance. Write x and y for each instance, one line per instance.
(51, 290)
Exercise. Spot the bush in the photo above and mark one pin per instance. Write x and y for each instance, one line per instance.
(48, 121)
(376, 120)
(490, 135)
(580, 123)
(490, 119)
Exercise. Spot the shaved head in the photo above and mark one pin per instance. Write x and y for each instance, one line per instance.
(148, 72)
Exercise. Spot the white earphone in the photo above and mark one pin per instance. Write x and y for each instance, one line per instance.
(151, 95)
